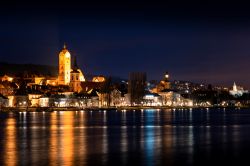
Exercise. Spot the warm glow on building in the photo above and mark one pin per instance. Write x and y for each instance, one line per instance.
(52, 82)
(64, 67)
(39, 80)
(34, 99)
(81, 76)
(75, 83)
(163, 85)
(11, 101)
(7, 78)
(98, 79)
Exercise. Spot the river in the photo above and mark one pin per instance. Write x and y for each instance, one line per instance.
(128, 137)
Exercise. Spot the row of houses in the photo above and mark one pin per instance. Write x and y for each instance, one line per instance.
(94, 99)
(99, 92)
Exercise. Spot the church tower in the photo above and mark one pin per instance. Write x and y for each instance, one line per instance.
(64, 67)
(165, 82)
(75, 82)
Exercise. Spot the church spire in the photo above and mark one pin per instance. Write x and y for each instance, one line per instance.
(64, 46)
(234, 87)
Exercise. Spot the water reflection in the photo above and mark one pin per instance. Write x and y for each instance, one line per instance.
(66, 139)
(136, 137)
(124, 143)
(80, 144)
(10, 151)
(54, 139)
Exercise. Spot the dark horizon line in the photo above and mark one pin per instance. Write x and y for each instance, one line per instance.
(119, 77)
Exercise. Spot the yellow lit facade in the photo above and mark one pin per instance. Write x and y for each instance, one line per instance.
(34, 99)
(64, 67)
(39, 80)
(7, 78)
(76, 77)
(81, 76)
(98, 79)
(52, 81)
(75, 83)
(47, 81)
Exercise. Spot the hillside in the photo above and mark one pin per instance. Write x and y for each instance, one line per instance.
(17, 69)
(30, 69)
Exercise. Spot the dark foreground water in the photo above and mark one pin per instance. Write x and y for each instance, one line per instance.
(140, 137)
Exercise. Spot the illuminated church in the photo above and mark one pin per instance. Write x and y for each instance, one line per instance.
(68, 75)
(237, 91)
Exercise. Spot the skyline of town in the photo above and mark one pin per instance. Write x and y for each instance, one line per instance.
(173, 77)
(69, 88)
(90, 75)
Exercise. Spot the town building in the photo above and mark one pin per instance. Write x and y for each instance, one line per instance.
(75, 82)
(34, 99)
(7, 88)
(152, 99)
(237, 91)
(163, 84)
(18, 100)
(7, 78)
(64, 66)
(98, 78)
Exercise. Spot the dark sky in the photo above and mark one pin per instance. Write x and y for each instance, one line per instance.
(201, 42)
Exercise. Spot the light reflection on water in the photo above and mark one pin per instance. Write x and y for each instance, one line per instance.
(138, 137)
(10, 144)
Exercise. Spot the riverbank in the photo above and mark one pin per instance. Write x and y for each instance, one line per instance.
(51, 109)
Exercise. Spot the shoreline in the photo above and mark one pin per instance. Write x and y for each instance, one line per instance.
(51, 109)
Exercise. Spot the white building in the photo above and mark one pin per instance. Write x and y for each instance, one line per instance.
(152, 99)
(237, 91)
(34, 99)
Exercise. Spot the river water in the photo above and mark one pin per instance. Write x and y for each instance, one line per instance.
(128, 137)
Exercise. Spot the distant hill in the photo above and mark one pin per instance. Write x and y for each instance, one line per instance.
(30, 69)
(34, 69)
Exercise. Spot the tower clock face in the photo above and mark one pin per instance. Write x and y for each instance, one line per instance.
(67, 54)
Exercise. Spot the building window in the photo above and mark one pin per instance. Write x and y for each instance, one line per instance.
(76, 77)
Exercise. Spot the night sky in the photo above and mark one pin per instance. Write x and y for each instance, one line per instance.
(196, 42)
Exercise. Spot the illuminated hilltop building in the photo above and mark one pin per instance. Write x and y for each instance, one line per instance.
(65, 70)
(64, 67)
